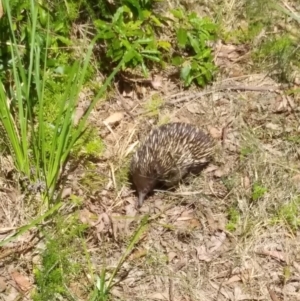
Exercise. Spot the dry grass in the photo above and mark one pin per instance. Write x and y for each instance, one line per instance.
(239, 245)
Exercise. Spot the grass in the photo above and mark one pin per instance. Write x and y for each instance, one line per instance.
(94, 245)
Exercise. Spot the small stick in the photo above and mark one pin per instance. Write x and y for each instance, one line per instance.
(124, 105)
(225, 87)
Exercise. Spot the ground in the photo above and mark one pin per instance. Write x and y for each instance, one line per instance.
(229, 234)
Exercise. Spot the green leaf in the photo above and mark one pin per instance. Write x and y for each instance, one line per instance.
(164, 45)
(118, 14)
(200, 81)
(107, 35)
(185, 71)
(177, 61)
(178, 13)
(156, 21)
(194, 43)
(101, 24)
(150, 51)
(152, 58)
(181, 37)
(64, 40)
(144, 41)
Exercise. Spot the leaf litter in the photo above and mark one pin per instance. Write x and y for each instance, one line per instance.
(208, 246)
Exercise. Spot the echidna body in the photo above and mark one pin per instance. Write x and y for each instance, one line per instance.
(168, 154)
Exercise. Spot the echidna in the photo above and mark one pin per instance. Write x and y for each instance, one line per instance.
(168, 154)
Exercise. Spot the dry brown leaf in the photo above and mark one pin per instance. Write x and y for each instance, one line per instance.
(213, 224)
(195, 108)
(219, 173)
(203, 255)
(171, 256)
(296, 266)
(22, 281)
(211, 168)
(66, 192)
(77, 290)
(114, 118)
(272, 126)
(87, 217)
(2, 284)
(296, 178)
(226, 293)
(12, 295)
(272, 294)
(246, 182)
(271, 150)
(234, 278)
(117, 292)
(158, 296)
(138, 254)
(156, 82)
(275, 254)
(214, 132)
(131, 212)
(194, 223)
(282, 106)
(217, 241)
(237, 293)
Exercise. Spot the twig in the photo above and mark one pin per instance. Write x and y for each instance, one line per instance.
(225, 87)
(123, 103)
(272, 294)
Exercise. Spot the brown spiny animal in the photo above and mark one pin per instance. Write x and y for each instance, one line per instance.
(168, 154)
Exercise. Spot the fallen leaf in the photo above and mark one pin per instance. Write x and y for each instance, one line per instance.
(114, 118)
(203, 255)
(272, 126)
(271, 149)
(66, 192)
(211, 168)
(2, 285)
(158, 296)
(213, 224)
(272, 294)
(171, 256)
(194, 223)
(296, 179)
(138, 254)
(12, 295)
(214, 132)
(275, 254)
(22, 281)
(77, 290)
(246, 182)
(296, 266)
(234, 278)
(195, 108)
(87, 217)
(219, 173)
(156, 82)
(117, 292)
(217, 241)
(226, 293)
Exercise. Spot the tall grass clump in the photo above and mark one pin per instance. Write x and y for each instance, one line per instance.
(39, 148)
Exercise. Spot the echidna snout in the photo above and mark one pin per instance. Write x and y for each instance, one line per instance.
(168, 153)
(143, 185)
